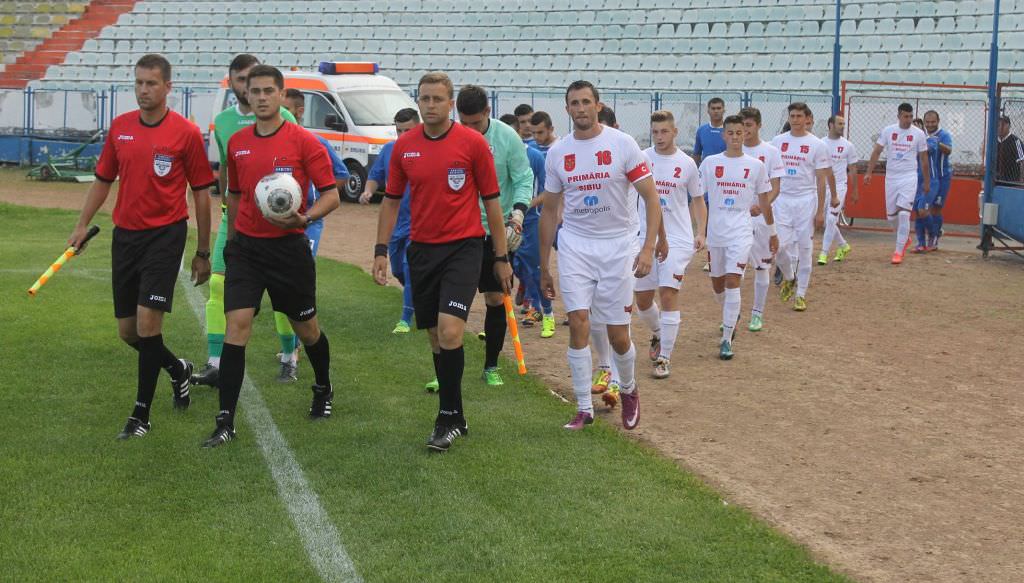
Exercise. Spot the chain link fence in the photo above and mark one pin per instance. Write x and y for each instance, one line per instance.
(691, 111)
(12, 111)
(73, 114)
(1009, 163)
(774, 108)
(962, 113)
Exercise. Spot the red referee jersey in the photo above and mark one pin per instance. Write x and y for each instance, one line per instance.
(446, 176)
(291, 149)
(154, 162)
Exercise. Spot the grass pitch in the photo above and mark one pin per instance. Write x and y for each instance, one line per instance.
(520, 499)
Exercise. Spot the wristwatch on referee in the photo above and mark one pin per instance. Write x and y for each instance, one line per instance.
(202, 254)
(501, 258)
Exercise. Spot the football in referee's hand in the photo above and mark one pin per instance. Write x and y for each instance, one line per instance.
(278, 195)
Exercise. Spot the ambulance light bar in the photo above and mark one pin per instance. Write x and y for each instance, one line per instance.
(333, 68)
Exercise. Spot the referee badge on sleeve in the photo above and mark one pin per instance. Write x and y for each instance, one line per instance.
(162, 164)
(456, 178)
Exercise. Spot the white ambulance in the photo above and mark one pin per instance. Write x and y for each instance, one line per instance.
(350, 105)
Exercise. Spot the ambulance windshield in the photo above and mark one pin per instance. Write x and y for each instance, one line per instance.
(375, 108)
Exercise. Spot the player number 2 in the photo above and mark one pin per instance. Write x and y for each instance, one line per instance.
(678, 171)
(604, 157)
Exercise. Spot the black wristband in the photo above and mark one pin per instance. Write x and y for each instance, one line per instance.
(520, 207)
(203, 254)
(501, 258)
(380, 250)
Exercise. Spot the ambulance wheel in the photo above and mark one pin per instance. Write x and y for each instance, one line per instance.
(356, 182)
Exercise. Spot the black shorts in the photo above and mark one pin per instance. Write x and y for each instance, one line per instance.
(282, 266)
(144, 267)
(489, 283)
(444, 278)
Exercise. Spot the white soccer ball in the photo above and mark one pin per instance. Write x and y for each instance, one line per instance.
(278, 195)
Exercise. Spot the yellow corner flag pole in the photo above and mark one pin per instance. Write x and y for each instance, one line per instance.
(53, 269)
(510, 315)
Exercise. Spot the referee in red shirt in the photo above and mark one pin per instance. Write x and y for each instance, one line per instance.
(156, 153)
(448, 168)
(272, 255)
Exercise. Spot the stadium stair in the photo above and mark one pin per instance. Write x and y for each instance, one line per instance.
(70, 36)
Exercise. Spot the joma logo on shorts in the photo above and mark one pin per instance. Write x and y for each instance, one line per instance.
(411, 155)
(306, 312)
(156, 298)
(455, 304)
(125, 138)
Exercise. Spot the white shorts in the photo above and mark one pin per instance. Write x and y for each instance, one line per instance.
(668, 273)
(726, 260)
(794, 218)
(899, 194)
(760, 250)
(597, 275)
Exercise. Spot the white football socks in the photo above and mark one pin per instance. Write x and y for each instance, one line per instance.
(580, 363)
(669, 331)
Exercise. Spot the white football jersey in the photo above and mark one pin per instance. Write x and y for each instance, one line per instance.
(594, 177)
(802, 157)
(676, 179)
(843, 154)
(732, 186)
(769, 156)
(902, 147)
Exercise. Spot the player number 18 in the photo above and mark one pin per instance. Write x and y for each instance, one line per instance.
(604, 157)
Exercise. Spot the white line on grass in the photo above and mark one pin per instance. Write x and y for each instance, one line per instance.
(319, 536)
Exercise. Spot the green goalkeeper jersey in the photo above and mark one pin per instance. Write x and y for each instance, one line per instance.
(515, 178)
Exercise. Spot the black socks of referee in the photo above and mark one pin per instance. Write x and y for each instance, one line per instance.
(168, 361)
(495, 326)
(232, 371)
(319, 354)
(450, 366)
(152, 356)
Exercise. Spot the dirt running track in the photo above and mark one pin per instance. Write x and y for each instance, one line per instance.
(882, 428)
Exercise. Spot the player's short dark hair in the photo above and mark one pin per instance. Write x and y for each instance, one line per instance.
(153, 61)
(242, 62)
(522, 109)
(905, 107)
(293, 93)
(472, 100)
(577, 85)
(662, 115)
(751, 113)
(1004, 119)
(606, 116)
(716, 100)
(266, 71)
(511, 120)
(437, 78)
(799, 106)
(407, 114)
(832, 120)
(731, 119)
(541, 118)
(932, 112)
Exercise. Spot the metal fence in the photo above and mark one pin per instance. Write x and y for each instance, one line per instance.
(691, 111)
(72, 114)
(962, 112)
